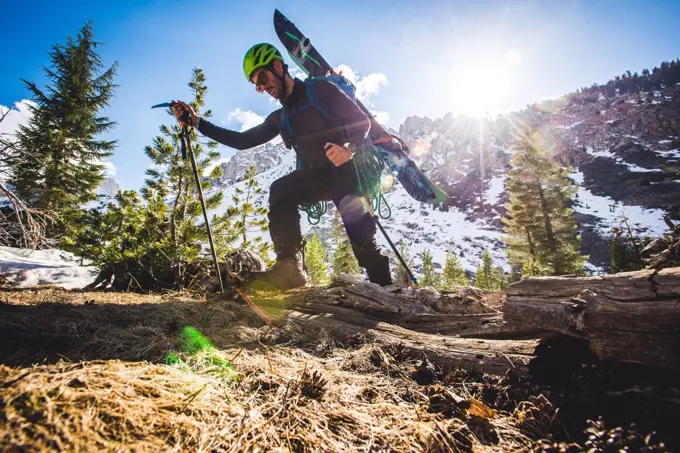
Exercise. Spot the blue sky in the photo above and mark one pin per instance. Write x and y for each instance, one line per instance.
(411, 58)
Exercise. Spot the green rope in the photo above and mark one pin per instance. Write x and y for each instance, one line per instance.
(368, 166)
(376, 204)
(315, 211)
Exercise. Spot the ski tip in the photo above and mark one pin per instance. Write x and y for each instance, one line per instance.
(279, 18)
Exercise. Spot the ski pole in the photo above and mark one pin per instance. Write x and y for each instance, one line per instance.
(186, 149)
(374, 216)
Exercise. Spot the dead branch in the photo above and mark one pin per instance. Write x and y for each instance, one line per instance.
(28, 225)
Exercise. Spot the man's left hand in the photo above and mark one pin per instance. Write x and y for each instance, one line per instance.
(337, 154)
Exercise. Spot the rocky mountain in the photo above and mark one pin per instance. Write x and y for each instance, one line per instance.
(108, 188)
(263, 157)
(616, 146)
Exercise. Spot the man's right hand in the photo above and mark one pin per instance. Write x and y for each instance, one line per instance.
(179, 108)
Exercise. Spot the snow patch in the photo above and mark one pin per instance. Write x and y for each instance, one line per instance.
(672, 153)
(603, 153)
(637, 168)
(494, 189)
(26, 268)
(610, 211)
(570, 126)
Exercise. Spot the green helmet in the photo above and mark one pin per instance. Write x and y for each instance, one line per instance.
(258, 56)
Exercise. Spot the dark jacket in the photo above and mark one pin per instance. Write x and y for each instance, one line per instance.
(311, 129)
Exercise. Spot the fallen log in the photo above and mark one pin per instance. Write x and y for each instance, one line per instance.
(449, 353)
(462, 313)
(628, 317)
(415, 319)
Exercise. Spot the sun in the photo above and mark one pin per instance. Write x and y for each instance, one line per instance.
(481, 84)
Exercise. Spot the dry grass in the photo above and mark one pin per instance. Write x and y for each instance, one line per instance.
(89, 372)
(103, 384)
(275, 405)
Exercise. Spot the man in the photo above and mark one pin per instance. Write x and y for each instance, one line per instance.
(325, 142)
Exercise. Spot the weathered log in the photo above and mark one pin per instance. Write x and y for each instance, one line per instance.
(420, 319)
(629, 317)
(489, 356)
(461, 313)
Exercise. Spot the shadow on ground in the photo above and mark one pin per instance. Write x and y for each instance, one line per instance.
(80, 326)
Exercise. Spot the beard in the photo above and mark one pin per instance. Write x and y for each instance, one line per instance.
(275, 89)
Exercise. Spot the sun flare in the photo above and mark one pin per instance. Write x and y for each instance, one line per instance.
(482, 83)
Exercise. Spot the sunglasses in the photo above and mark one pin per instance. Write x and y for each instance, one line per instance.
(261, 80)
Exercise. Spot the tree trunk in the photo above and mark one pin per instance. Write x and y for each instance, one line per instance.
(548, 225)
(532, 252)
(629, 317)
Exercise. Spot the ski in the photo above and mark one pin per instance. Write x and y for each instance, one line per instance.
(393, 150)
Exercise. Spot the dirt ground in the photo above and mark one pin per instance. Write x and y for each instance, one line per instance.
(97, 371)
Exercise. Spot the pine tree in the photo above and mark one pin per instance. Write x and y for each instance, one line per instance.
(84, 235)
(430, 275)
(315, 259)
(250, 218)
(159, 241)
(500, 279)
(400, 274)
(486, 277)
(132, 244)
(59, 155)
(344, 260)
(171, 178)
(540, 227)
(454, 275)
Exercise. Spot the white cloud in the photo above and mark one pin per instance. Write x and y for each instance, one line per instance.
(370, 85)
(247, 119)
(19, 115)
(294, 72)
(109, 169)
(381, 117)
(367, 86)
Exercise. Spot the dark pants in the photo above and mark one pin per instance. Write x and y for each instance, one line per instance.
(311, 185)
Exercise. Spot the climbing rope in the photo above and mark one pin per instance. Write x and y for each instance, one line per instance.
(314, 211)
(368, 166)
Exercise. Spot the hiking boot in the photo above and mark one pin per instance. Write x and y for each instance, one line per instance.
(284, 275)
(380, 272)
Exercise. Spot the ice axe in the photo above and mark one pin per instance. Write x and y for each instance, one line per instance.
(185, 136)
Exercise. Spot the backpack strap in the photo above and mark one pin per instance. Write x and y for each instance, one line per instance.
(330, 119)
(313, 99)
